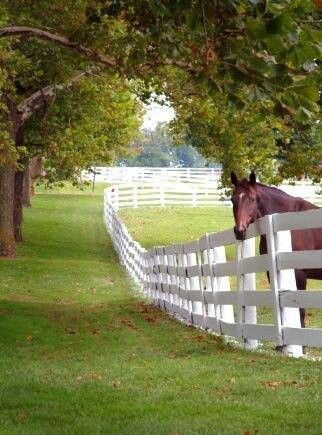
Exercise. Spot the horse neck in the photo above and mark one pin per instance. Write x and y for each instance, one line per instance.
(274, 201)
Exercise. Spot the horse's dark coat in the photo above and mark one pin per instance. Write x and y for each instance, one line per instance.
(252, 200)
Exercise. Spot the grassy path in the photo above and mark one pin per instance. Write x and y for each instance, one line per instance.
(81, 354)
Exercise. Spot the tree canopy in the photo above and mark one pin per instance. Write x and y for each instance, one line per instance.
(243, 75)
(155, 148)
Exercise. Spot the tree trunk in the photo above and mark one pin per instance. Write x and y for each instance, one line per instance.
(26, 202)
(7, 242)
(18, 207)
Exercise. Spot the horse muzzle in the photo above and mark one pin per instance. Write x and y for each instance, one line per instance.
(240, 233)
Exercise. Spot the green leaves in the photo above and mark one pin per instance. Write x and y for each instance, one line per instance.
(298, 55)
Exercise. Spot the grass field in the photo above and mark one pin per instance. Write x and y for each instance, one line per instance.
(81, 354)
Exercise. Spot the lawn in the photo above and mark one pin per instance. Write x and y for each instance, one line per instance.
(81, 353)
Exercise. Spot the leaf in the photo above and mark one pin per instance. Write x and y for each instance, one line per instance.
(274, 43)
(281, 24)
(256, 94)
(303, 115)
(299, 54)
(310, 92)
(271, 384)
(256, 29)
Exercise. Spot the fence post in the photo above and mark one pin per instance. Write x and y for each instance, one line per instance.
(182, 284)
(194, 284)
(286, 280)
(116, 197)
(246, 314)
(172, 279)
(135, 196)
(194, 196)
(208, 259)
(224, 312)
(162, 201)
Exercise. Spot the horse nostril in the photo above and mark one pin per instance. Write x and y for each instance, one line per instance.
(240, 233)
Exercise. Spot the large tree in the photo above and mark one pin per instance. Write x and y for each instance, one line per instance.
(95, 112)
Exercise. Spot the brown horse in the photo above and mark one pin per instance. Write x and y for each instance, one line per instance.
(252, 200)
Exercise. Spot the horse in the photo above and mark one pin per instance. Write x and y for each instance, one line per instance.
(252, 200)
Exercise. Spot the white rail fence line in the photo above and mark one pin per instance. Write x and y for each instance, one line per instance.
(119, 174)
(166, 194)
(209, 177)
(193, 280)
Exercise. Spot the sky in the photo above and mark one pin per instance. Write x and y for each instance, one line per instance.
(156, 113)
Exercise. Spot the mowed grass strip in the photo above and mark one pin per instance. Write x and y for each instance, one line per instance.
(80, 353)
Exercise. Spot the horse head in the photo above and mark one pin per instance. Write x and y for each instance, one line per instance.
(244, 199)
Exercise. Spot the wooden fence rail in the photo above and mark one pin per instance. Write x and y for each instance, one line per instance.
(196, 282)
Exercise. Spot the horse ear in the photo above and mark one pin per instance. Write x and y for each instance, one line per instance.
(233, 178)
(252, 178)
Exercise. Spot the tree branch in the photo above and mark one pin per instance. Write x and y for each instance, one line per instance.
(34, 32)
(45, 95)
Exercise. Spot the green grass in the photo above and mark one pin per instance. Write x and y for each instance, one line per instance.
(156, 226)
(81, 354)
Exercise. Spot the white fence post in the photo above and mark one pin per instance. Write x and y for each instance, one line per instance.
(194, 284)
(162, 201)
(246, 282)
(194, 196)
(286, 280)
(135, 197)
(224, 312)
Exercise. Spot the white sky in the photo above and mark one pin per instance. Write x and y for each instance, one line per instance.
(156, 113)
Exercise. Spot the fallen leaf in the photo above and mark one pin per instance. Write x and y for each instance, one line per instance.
(70, 330)
(29, 338)
(96, 332)
(271, 384)
(128, 323)
(152, 319)
(117, 383)
(22, 417)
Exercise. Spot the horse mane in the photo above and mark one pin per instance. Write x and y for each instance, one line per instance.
(301, 203)
(276, 190)
(244, 183)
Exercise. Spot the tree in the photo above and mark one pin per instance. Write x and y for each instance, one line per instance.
(97, 121)
(34, 72)
(155, 148)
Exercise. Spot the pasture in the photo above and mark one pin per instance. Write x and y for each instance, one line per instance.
(82, 353)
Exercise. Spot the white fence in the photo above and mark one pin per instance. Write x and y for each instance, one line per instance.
(119, 174)
(208, 178)
(166, 194)
(195, 281)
